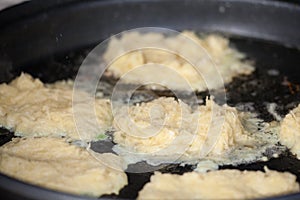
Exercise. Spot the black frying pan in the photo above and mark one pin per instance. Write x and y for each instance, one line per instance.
(49, 39)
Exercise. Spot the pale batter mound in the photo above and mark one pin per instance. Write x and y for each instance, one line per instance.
(290, 131)
(223, 184)
(31, 109)
(149, 127)
(57, 165)
(175, 133)
(229, 62)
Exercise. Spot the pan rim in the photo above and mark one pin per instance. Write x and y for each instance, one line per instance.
(38, 189)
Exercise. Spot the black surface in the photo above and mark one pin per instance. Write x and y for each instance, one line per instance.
(51, 40)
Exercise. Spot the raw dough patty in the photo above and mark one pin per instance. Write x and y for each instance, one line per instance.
(227, 60)
(30, 108)
(290, 131)
(57, 165)
(165, 130)
(223, 184)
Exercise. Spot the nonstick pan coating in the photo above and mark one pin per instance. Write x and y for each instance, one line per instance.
(50, 42)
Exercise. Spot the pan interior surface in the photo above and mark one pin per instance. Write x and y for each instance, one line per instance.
(52, 47)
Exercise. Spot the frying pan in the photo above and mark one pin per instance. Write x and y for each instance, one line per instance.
(49, 39)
